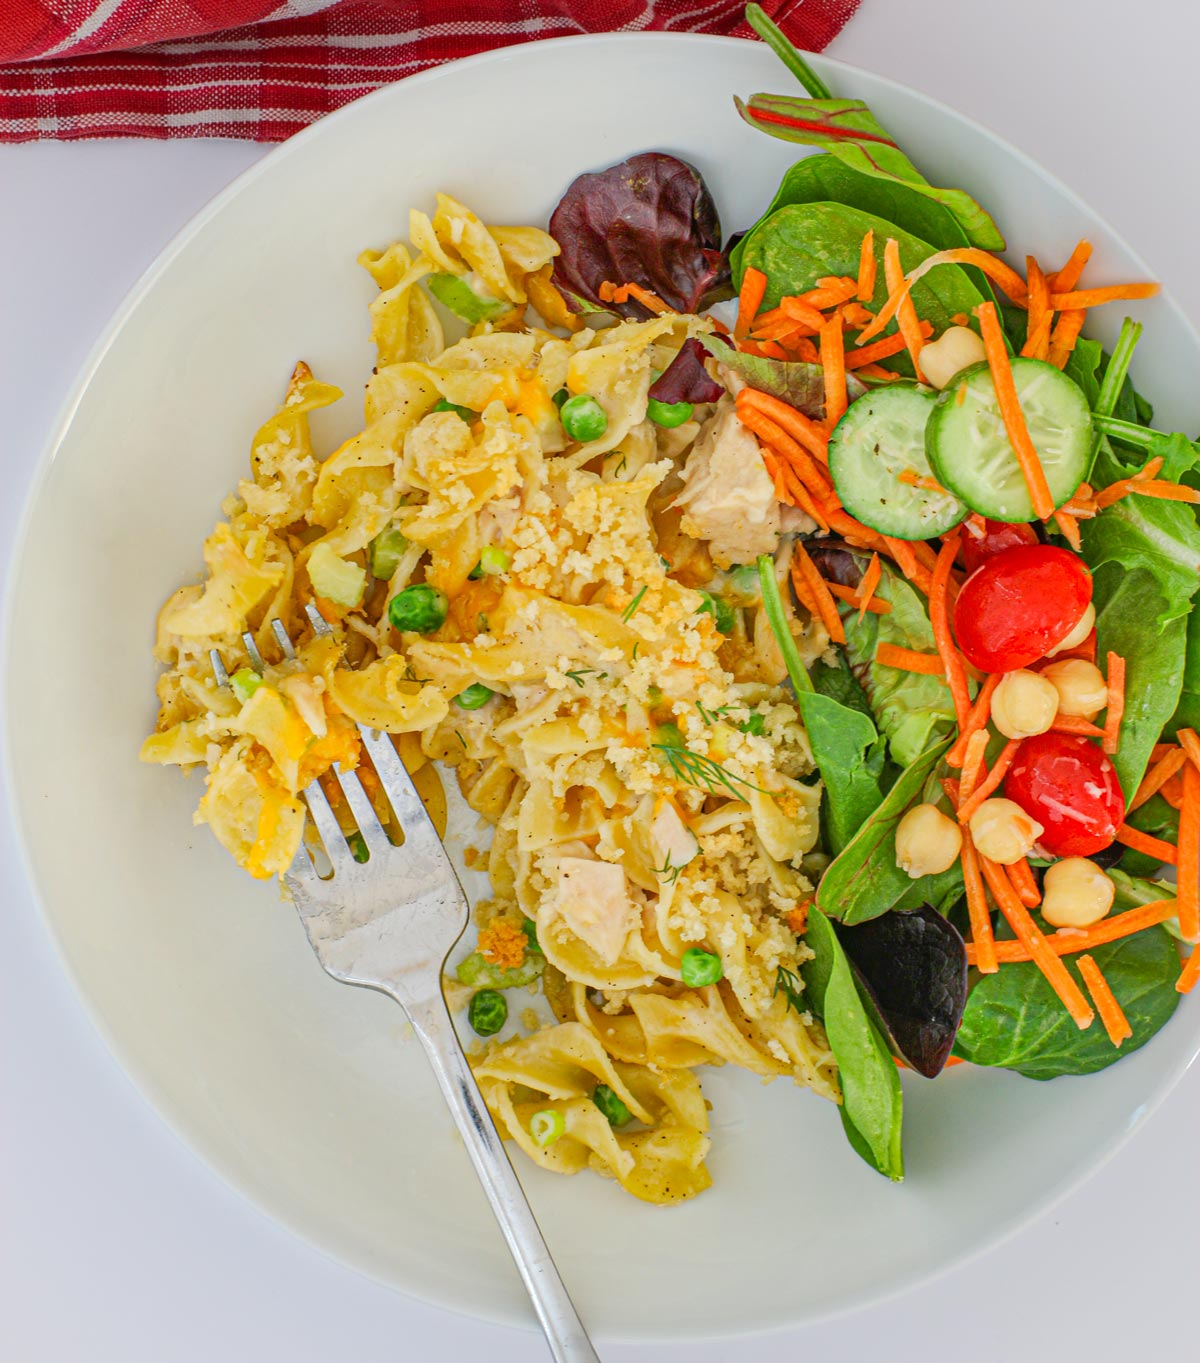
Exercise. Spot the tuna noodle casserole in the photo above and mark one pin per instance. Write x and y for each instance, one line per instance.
(532, 583)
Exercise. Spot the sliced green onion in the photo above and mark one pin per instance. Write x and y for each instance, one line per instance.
(245, 681)
(773, 605)
(462, 300)
(475, 696)
(612, 1107)
(529, 928)
(487, 1012)
(699, 968)
(468, 414)
(546, 1126)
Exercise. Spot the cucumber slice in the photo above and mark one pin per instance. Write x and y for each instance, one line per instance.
(881, 438)
(970, 450)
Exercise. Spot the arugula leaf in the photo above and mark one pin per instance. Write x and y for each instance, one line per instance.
(800, 243)
(847, 750)
(1134, 620)
(1015, 1021)
(872, 1102)
(864, 881)
(911, 710)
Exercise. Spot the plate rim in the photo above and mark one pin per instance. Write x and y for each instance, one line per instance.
(150, 1092)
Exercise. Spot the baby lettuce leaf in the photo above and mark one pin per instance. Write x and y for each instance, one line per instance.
(847, 749)
(1134, 620)
(914, 966)
(649, 220)
(1015, 1021)
(685, 379)
(863, 880)
(872, 1102)
(796, 382)
(911, 710)
(837, 681)
(1133, 891)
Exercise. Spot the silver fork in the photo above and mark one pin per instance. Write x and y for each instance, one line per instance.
(389, 924)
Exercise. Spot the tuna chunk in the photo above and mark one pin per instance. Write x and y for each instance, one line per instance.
(593, 899)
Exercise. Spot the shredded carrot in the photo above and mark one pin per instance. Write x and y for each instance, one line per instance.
(1148, 470)
(1010, 410)
(1075, 724)
(939, 618)
(1024, 883)
(833, 363)
(908, 660)
(1189, 741)
(1064, 336)
(801, 348)
(911, 478)
(1143, 842)
(851, 596)
(1067, 277)
(950, 785)
(902, 552)
(1116, 1024)
(981, 712)
(822, 598)
(878, 372)
(764, 349)
(750, 299)
(1190, 974)
(1161, 750)
(1159, 774)
(1172, 791)
(987, 788)
(972, 767)
(1093, 298)
(1116, 703)
(881, 350)
(1189, 855)
(870, 580)
(812, 474)
(1146, 487)
(796, 424)
(1031, 937)
(622, 293)
(867, 268)
(1068, 528)
(830, 292)
(906, 312)
(960, 319)
(800, 587)
(855, 315)
(1068, 941)
(982, 938)
(774, 469)
(1037, 333)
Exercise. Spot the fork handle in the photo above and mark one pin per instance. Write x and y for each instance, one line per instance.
(560, 1321)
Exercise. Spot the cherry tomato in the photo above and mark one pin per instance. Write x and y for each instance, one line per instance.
(1070, 787)
(1021, 602)
(996, 535)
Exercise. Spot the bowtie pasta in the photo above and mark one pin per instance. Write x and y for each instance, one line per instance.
(552, 606)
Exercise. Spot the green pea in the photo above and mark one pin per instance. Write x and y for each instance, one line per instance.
(699, 968)
(245, 681)
(669, 736)
(475, 696)
(583, 418)
(468, 414)
(358, 847)
(487, 1012)
(755, 725)
(612, 1107)
(668, 414)
(420, 607)
(546, 1126)
(720, 610)
(385, 552)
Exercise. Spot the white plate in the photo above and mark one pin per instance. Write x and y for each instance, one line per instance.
(308, 1096)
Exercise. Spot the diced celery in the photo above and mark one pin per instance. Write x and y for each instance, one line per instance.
(334, 578)
(385, 552)
(245, 681)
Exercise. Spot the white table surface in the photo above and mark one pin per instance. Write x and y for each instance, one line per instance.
(116, 1244)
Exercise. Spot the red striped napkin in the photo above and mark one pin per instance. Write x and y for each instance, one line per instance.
(263, 70)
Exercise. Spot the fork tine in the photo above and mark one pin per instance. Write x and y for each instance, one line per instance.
(256, 658)
(220, 675)
(317, 620)
(321, 812)
(282, 638)
(362, 809)
(397, 784)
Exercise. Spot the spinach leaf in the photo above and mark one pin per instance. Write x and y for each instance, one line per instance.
(864, 881)
(872, 1102)
(848, 129)
(911, 710)
(1014, 1020)
(800, 243)
(1187, 714)
(1134, 620)
(1157, 818)
(847, 750)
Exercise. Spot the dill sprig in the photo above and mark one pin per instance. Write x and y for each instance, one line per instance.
(668, 871)
(694, 769)
(627, 613)
(790, 984)
(577, 674)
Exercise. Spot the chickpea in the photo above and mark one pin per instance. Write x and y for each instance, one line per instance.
(953, 351)
(927, 842)
(1003, 832)
(1083, 627)
(1076, 893)
(1024, 704)
(1081, 687)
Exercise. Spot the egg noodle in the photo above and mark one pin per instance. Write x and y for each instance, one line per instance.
(648, 784)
